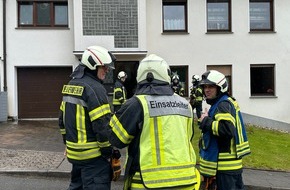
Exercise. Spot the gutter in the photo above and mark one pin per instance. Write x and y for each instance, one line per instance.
(4, 46)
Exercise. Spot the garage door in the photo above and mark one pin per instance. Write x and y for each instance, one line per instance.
(39, 91)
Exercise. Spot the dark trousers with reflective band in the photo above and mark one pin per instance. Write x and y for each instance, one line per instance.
(95, 175)
(229, 181)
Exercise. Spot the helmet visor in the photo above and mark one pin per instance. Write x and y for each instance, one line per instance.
(206, 81)
(112, 64)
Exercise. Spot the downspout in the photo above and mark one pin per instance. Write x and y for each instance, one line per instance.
(3, 94)
(4, 47)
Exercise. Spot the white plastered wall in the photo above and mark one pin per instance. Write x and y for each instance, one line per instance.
(239, 49)
(35, 47)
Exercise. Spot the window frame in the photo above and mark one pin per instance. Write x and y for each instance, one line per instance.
(271, 2)
(172, 3)
(270, 89)
(229, 2)
(35, 15)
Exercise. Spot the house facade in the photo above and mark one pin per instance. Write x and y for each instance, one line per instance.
(247, 40)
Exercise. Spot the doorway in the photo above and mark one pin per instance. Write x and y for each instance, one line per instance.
(130, 68)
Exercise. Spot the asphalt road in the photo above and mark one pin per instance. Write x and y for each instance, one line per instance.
(17, 182)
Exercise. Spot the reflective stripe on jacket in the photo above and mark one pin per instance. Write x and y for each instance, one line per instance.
(196, 94)
(178, 89)
(119, 95)
(167, 158)
(135, 184)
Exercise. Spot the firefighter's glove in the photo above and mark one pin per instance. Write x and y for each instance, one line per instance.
(116, 154)
(116, 165)
(208, 183)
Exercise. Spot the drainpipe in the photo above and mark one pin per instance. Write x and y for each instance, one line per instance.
(3, 95)
(4, 46)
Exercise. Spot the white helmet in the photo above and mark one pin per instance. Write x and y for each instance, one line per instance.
(153, 67)
(213, 77)
(95, 56)
(195, 78)
(122, 74)
(175, 80)
(175, 77)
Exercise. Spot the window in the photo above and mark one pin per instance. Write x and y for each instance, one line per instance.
(174, 16)
(219, 15)
(262, 80)
(42, 14)
(261, 15)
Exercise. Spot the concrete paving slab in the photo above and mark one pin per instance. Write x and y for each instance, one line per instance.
(29, 160)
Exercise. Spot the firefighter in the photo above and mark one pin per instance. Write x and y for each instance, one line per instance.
(176, 86)
(224, 141)
(84, 111)
(196, 96)
(120, 93)
(156, 127)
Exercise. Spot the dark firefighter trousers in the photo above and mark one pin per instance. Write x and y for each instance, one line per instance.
(95, 175)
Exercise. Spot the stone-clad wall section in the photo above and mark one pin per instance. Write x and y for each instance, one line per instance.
(118, 18)
(3, 106)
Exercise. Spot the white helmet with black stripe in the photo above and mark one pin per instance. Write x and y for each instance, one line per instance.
(213, 77)
(95, 56)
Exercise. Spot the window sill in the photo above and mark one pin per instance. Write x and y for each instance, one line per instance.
(217, 32)
(261, 96)
(174, 33)
(262, 32)
(42, 28)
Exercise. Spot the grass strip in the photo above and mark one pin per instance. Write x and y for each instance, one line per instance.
(270, 149)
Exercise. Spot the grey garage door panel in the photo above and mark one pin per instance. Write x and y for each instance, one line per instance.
(39, 91)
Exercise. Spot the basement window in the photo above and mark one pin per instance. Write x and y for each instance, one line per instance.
(262, 80)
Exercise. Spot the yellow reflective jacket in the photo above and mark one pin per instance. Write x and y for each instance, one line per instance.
(120, 94)
(167, 158)
(84, 110)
